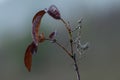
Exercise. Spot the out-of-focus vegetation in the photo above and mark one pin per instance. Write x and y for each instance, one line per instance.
(100, 28)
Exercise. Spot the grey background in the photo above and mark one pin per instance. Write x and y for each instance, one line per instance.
(101, 27)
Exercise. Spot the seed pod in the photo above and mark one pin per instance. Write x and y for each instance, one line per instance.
(54, 12)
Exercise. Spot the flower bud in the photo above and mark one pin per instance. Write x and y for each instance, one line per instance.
(54, 12)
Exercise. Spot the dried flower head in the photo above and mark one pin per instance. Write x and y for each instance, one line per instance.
(54, 12)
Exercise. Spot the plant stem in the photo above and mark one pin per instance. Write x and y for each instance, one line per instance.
(76, 67)
(71, 44)
(71, 54)
(70, 34)
(73, 57)
(63, 48)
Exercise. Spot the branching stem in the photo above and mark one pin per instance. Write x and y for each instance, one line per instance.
(71, 44)
(71, 54)
(63, 48)
(70, 34)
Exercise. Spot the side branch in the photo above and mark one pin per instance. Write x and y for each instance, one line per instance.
(63, 48)
(70, 34)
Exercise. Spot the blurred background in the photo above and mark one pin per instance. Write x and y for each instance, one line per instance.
(101, 25)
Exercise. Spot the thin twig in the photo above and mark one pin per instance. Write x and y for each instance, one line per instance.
(76, 67)
(60, 45)
(63, 48)
(70, 34)
(72, 56)
(71, 44)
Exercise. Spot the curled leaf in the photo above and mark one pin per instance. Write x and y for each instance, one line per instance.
(32, 48)
(54, 12)
(36, 25)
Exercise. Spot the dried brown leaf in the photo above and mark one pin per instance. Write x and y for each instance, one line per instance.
(36, 25)
(28, 58)
(32, 48)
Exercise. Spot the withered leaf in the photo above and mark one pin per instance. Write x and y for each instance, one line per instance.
(36, 25)
(28, 58)
(32, 48)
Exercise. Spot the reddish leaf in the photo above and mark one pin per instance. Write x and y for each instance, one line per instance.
(28, 55)
(36, 25)
(28, 58)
